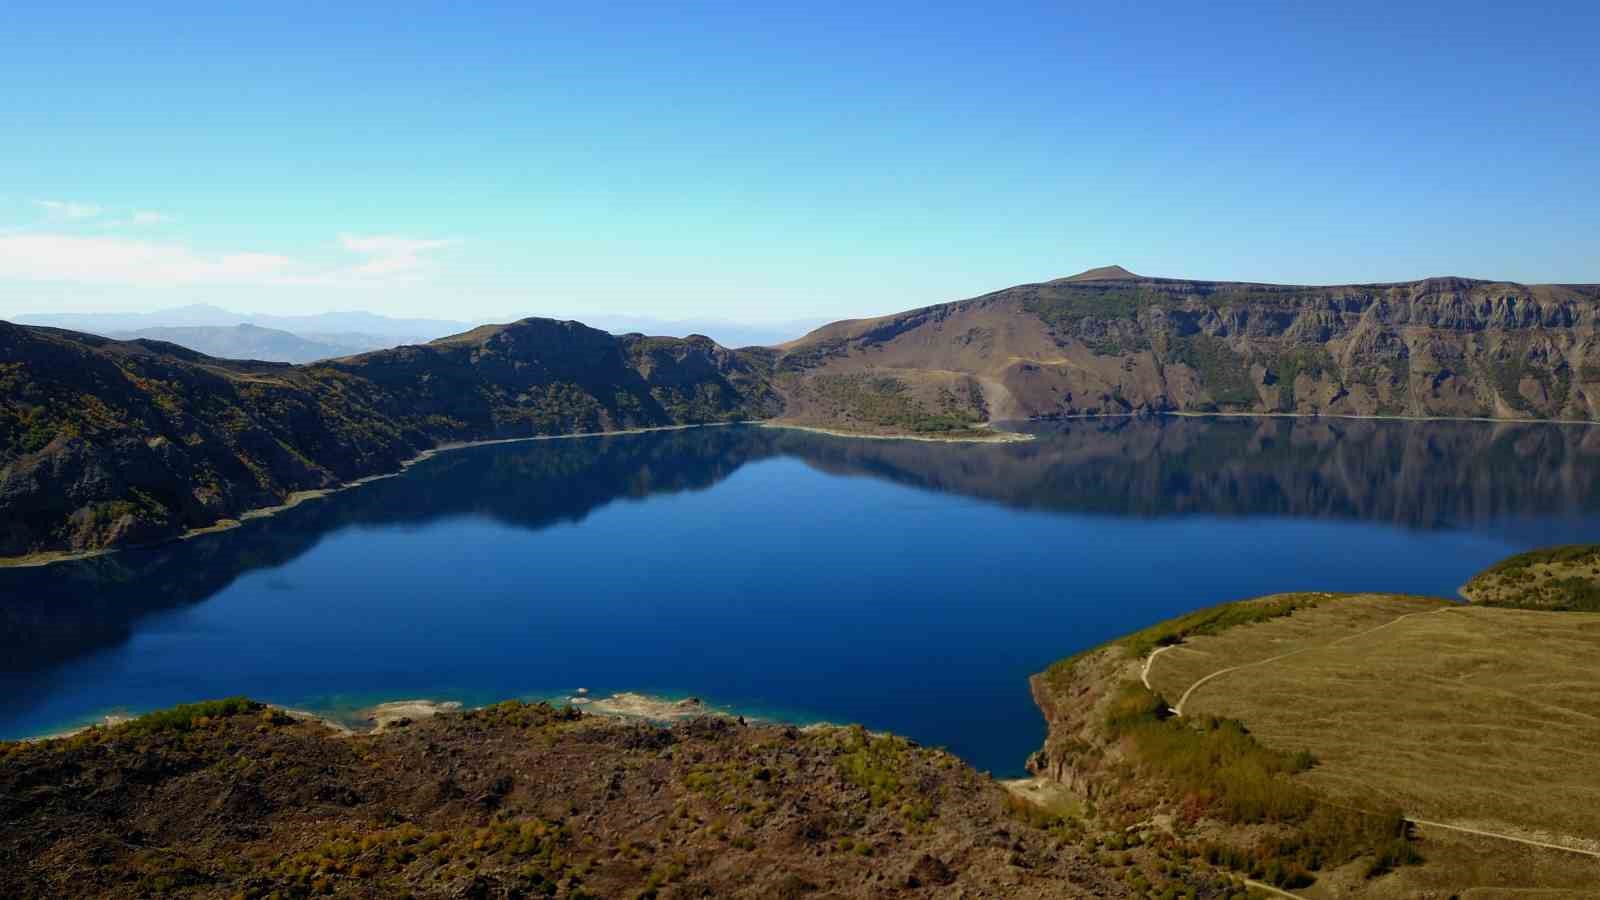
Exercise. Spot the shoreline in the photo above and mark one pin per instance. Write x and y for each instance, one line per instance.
(295, 498)
(1373, 416)
(1186, 414)
(998, 437)
(389, 714)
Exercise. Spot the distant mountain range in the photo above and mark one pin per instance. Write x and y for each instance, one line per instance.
(255, 342)
(106, 442)
(318, 326)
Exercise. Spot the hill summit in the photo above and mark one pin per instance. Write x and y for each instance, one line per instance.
(1102, 273)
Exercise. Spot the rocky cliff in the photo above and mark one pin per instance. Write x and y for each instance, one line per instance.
(1109, 341)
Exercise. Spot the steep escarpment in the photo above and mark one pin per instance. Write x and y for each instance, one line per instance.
(1108, 341)
(105, 443)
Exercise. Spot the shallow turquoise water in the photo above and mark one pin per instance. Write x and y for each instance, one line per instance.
(908, 586)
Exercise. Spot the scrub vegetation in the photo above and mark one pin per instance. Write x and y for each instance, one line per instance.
(1557, 578)
(231, 798)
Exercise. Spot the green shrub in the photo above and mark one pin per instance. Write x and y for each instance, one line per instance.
(1220, 768)
(1223, 373)
(1215, 620)
(873, 763)
(1216, 760)
(1392, 854)
(186, 716)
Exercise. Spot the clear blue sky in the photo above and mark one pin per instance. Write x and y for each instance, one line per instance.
(482, 161)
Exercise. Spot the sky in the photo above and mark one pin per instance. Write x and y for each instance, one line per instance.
(763, 164)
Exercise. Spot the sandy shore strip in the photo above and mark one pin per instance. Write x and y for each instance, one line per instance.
(994, 437)
(1322, 415)
(394, 714)
(998, 437)
(298, 497)
(628, 705)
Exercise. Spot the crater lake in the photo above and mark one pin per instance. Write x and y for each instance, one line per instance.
(909, 586)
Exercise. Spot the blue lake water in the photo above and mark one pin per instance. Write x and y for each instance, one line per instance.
(908, 586)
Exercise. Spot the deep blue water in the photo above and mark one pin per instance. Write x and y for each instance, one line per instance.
(909, 586)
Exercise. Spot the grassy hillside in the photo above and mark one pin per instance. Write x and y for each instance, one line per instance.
(105, 443)
(1287, 731)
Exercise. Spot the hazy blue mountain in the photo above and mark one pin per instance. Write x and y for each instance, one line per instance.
(371, 331)
(328, 327)
(255, 342)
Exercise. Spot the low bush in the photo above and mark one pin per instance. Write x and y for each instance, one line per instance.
(187, 716)
(1223, 772)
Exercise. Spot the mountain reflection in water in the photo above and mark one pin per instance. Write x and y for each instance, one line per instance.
(1512, 485)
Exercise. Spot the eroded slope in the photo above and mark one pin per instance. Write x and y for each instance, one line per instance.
(1108, 341)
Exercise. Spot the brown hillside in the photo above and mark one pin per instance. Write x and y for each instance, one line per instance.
(1109, 341)
(106, 443)
(230, 799)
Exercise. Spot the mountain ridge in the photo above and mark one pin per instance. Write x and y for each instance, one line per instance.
(1437, 347)
(106, 442)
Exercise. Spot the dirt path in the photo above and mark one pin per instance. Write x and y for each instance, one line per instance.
(1178, 708)
(1144, 676)
(1504, 837)
(1276, 892)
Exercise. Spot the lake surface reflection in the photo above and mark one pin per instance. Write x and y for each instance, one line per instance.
(909, 586)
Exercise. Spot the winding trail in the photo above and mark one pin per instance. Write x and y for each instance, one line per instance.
(1276, 892)
(1178, 708)
(1144, 676)
(1504, 837)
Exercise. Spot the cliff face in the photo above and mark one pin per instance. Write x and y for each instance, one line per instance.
(1110, 342)
(105, 443)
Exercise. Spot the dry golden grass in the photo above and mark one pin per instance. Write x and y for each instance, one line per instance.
(1484, 718)
(1471, 868)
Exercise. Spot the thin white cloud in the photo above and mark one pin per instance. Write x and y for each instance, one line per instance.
(66, 209)
(391, 256)
(391, 244)
(33, 256)
(144, 218)
(113, 260)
